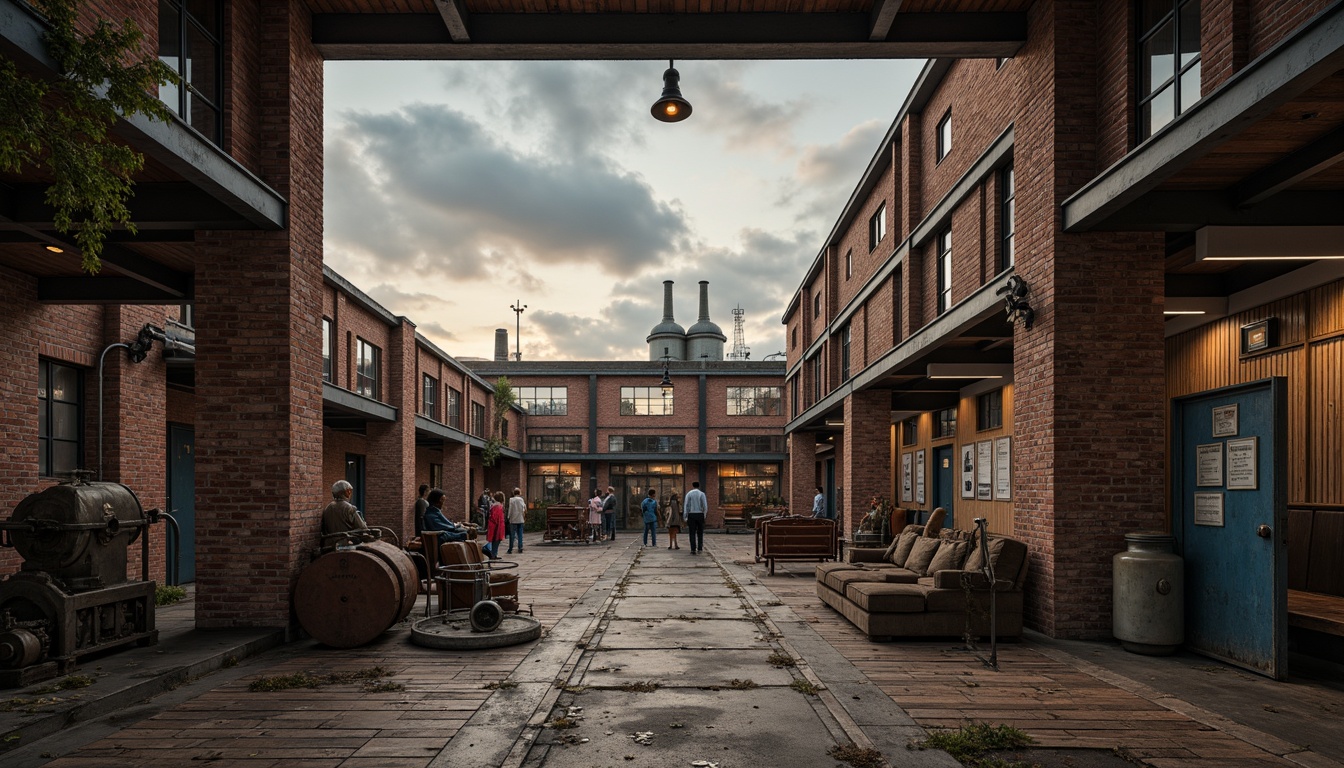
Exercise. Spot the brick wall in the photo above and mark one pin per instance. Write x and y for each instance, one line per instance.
(867, 434)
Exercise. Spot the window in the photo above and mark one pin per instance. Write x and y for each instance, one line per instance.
(60, 419)
(504, 430)
(755, 401)
(646, 443)
(844, 354)
(816, 305)
(877, 226)
(429, 397)
(998, 63)
(368, 365)
(543, 401)
(793, 339)
(555, 443)
(435, 475)
(896, 306)
(944, 270)
(190, 45)
(186, 315)
(1169, 63)
(944, 136)
(849, 264)
(454, 408)
(751, 443)
(945, 423)
(816, 379)
(478, 419)
(328, 349)
(910, 431)
(645, 401)
(794, 404)
(989, 410)
(1008, 189)
(554, 484)
(748, 483)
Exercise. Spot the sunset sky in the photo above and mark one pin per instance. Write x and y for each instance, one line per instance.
(454, 189)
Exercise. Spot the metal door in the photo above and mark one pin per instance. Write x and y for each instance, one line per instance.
(944, 481)
(182, 500)
(628, 511)
(832, 503)
(354, 475)
(1230, 511)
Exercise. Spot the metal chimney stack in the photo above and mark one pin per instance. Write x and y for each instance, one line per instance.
(501, 344)
(704, 340)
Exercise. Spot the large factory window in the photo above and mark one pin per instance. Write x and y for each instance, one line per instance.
(748, 483)
(190, 43)
(555, 443)
(646, 443)
(368, 366)
(429, 401)
(543, 401)
(751, 443)
(454, 408)
(645, 401)
(478, 419)
(554, 484)
(755, 401)
(60, 418)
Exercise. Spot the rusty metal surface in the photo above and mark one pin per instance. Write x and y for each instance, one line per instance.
(349, 597)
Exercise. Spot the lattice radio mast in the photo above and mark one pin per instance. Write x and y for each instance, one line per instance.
(740, 349)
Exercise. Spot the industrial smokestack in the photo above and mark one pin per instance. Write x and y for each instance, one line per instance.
(667, 302)
(704, 301)
(501, 344)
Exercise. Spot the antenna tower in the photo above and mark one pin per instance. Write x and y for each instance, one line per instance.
(740, 349)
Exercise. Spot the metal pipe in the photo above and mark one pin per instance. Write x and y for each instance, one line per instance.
(101, 358)
(175, 538)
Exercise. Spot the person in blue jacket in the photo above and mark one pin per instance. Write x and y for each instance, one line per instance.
(650, 509)
(436, 521)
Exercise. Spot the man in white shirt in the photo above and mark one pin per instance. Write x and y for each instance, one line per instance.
(517, 517)
(819, 504)
(694, 508)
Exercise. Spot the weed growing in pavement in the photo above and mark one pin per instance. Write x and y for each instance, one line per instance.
(640, 686)
(803, 686)
(499, 685)
(970, 743)
(313, 680)
(166, 594)
(856, 756)
(742, 685)
(383, 686)
(573, 688)
(561, 723)
(68, 683)
(778, 659)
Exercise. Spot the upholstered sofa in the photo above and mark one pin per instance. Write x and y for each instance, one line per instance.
(928, 586)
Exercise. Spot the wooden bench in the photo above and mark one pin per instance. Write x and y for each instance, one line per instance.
(566, 522)
(799, 538)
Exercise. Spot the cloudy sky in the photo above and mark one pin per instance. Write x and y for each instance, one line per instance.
(455, 189)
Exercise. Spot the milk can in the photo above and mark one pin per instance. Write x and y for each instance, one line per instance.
(1148, 595)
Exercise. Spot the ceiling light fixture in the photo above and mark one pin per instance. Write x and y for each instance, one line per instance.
(1194, 305)
(671, 107)
(969, 370)
(54, 249)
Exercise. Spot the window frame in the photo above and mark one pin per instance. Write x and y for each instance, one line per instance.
(548, 443)
(642, 443)
(877, 227)
(943, 266)
(479, 419)
(1007, 218)
(184, 92)
(849, 263)
(944, 134)
(46, 418)
(530, 396)
(750, 481)
(910, 431)
(1145, 93)
(328, 350)
(816, 305)
(429, 396)
(452, 409)
(818, 376)
(759, 400)
(845, 338)
(733, 444)
(945, 423)
(366, 384)
(633, 397)
(989, 410)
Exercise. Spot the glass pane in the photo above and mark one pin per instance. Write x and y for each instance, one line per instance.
(64, 457)
(1190, 87)
(1160, 110)
(1189, 32)
(42, 380)
(1157, 58)
(64, 384)
(1153, 12)
(206, 14)
(65, 421)
(202, 59)
(170, 50)
(43, 470)
(42, 425)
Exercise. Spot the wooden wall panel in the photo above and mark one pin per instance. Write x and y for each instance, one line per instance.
(1325, 468)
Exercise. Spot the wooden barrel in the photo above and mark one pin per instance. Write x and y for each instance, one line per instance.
(349, 597)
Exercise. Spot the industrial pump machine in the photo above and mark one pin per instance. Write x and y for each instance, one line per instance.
(72, 596)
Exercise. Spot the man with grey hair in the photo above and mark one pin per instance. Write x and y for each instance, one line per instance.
(340, 515)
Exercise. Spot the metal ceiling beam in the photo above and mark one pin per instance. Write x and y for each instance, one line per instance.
(153, 205)
(1184, 211)
(668, 35)
(455, 19)
(881, 18)
(1302, 164)
(1291, 68)
(102, 290)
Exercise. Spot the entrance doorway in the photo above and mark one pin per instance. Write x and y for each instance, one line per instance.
(182, 501)
(944, 482)
(354, 475)
(632, 483)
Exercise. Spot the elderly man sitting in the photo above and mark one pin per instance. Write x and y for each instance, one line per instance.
(342, 517)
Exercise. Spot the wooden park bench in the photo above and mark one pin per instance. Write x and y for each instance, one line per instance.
(799, 538)
(566, 522)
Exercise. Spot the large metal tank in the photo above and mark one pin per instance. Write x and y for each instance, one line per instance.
(348, 597)
(78, 532)
(1148, 595)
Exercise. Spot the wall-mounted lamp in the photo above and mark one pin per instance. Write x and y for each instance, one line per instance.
(671, 107)
(969, 370)
(1014, 293)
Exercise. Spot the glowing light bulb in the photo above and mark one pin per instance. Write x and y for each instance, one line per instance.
(54, 249)
(670, 109)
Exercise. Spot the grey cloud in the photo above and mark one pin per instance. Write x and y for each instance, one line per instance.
(725, 108)
(841, 162)
(582, 106)
(617, 333)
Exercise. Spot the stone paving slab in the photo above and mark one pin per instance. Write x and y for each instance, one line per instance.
(683, 669)
(641, 586)
(707, 633)
(675, 607)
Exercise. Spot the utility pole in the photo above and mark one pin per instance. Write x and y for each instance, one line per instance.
(518, 308)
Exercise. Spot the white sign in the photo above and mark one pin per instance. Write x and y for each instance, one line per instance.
(907, 477)
(968, 471)
(984, 470)
(1225, 421)
(1209, 509)
(1242, 468)
(919, 477)
(1209, 465)
(1003, 468)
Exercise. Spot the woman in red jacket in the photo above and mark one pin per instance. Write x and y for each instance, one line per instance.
(494, 529)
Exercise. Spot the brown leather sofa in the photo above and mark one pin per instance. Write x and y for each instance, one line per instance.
(924, 586)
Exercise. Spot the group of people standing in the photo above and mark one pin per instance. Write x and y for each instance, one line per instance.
(675, 512)
(497, 523)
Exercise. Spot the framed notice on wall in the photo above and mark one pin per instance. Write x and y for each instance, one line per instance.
(1242, 474)
(1209, 465)
(1003, 468)
(1225, 421)
(919, 477)
(984, 470)
(907, 477)
(968, 471)
(1209, 509)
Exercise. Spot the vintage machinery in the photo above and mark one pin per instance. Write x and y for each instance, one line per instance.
(72, 596)
(349, 596)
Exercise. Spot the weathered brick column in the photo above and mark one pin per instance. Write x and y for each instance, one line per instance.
(456, 480)
(390, 496)
(867, 470)
(259, 490)
(802, 472)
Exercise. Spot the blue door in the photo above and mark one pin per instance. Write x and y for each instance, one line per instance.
(944, 481)
(182, 500)
(1230, 514)
(354, 475)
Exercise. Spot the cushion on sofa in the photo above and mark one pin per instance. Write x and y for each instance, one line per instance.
(950, 556)
(838, 580)
(922, 554)
(899, 551)
(1007, 555)
(886, 598)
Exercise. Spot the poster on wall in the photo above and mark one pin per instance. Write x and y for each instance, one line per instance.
(919, 477)
(968, 471)
(1209, 509)
(984, 470)
(1209, 465)
(907, 477)
(1225, 421)
(1003, 468)
(1241, 467)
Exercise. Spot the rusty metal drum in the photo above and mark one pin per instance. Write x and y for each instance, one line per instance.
(349, 597)
(74, 523)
